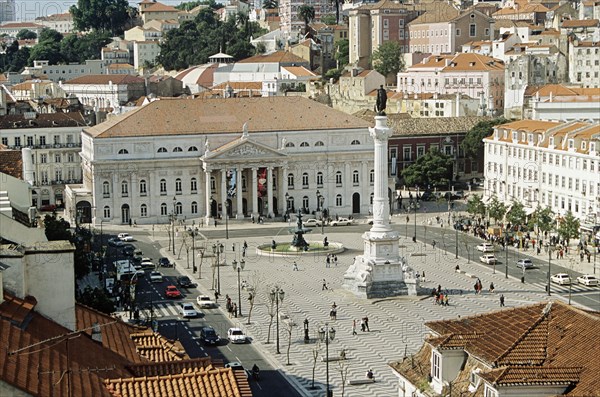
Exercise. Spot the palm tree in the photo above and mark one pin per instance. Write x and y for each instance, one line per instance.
(269, 4)
(337, 11)
(307, 13)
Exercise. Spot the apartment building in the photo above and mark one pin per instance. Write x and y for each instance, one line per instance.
(292, 24)
(62, 23)
(584, 63)
(559, 102)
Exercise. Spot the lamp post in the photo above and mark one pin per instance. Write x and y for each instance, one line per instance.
(306, 338)
(239, 266)
(506, 242)
(173, 217)
(193, 231)
(226, 219)
(277, 296)
(320, 206)
(455, 233)
(218, 251)
(326, 334)
(550, 252)
(318, 200)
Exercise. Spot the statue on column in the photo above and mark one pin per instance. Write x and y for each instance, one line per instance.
(381, 103)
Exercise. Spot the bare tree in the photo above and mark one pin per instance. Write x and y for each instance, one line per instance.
(255, 282)
(315, 356)
(184, 244)
(343, 366)
(271, 313)
(289, 327)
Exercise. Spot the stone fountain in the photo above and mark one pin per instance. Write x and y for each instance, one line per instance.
(299, 243)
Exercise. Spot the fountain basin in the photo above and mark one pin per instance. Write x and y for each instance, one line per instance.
(287, 249)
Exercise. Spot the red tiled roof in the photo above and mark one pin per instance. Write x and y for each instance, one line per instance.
(11, 163)
(580, 23)
(14, 309)
(43, 120)
(275, 57)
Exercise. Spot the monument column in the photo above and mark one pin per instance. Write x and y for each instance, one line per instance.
(381, 212)
(224, 192)
(239, 194)
(207, 196)
(270, 190)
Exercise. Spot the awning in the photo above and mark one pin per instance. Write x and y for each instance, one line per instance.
(529, 211)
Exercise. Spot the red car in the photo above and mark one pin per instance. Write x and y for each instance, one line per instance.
(172, 292)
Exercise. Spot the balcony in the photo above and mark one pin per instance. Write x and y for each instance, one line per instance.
(46, 146)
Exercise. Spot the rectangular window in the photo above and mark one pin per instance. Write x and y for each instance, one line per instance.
(57, 158)
(472, 30)
(43, 158)
(420, 151)
(5, 141)
(407, 152)
(143, 210)
(17, 141)
(319, 179)
(29, 141)
(70, 157)
(436, 365)
(458, 32)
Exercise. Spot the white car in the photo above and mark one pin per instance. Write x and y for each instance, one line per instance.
(236, 335)
(485, 247)
(187, 309)
(311, 222)
(525, 264)
(156, 277)
(125, 237)
(587, 279)
(561, 279)
(341, 222)
(490, 259)
(147, 265)
(205, 302)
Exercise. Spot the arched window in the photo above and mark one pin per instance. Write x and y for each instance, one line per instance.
(143, 187)
(290, 204)
(124, 189)
(162, 150)
(106, 211)
(178, 208)
(143, 210)
(338, 178)
(290, 144)
(178, 186)
(163, 186)
(305, 202)
(192, 149)
(319, 143)
(372, 177)
(290, 181)
(194, 185)
(177, 149)
(338, 200)
(304, 144)
(319, 179)
(355, 142)
(163, 209)
(105, 189)
(355, 179)
(213, 184)
(123, 151)
(194, 207)
(305, 180)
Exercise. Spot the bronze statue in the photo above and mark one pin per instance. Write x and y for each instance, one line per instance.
(380, 105)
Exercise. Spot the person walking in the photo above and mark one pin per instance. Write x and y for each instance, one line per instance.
(335, 260)
(362, 325)
(295, 266)
(354, 327)
(324, 285)
(328, 260)
(502, 300)
(367, 323)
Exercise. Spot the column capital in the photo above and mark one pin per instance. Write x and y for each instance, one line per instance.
(381, 132)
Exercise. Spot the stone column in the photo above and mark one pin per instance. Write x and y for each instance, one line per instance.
(254, 192)
(284, 188)
(364, 187)
(224, 192)
(207, 195)
(270, 190)
(239, 194)
(380, 134)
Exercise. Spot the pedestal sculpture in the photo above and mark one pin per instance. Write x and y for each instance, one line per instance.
(380, 271)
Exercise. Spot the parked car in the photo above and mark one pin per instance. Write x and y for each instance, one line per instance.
(587, 279)
(156, 277)
(236, 335)
(490, 259)
(485, 247)
(172, 292)
(128, 239)
(525, 263)
(205, 302)
(187, 309)
(561, 279)
(115, 242)
(209, 336)
(185, 282)
(145, 264)
(342, 221)
(164, 262)
(128, 250)
(311, 222)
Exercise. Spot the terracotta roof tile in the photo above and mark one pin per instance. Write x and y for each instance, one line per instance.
(512, 376)
(443, 12)
(275, 57)
(580, 23)
(16, 310)
(43, 120)
(160, 7)
(11, 163)
(172, 367)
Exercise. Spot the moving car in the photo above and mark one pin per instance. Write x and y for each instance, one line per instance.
(125, 237)
(115, 242)
(237, 366)
(164, 262)
(172, 292)
(187, 309)
(205, 302)
(341, 222)
(525, 263)
(209, 336)
(311, 222)
(156, 277)
(185, 282)
(485, 247)
(128, 249)
(490, 259)
(147, 264)
(236, 335)
(587, 279)
(561, 279)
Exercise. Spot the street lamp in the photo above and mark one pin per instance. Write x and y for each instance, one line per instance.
(218, 251)
(326, 334)
(506, 243)
(318, 200)
(239, 266)
(455, 232)
(193, 231)
(320, 205)
(173, 217)
(276, 296)
(306, 338)
(226, 217)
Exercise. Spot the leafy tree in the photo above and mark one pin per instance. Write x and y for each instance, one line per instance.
(333, 74)
(48, 35)
(109, 15)
(543, 219)
(342, 54)
(432, 169)
(496, 209)
(387, 59)
(516, 216)
(77, 49)
(475, 205)
(472, 144)
(270, 4)
(569, 227)
(57, 229)
(307, 14)
(189, 5)
(261, 48)
(48, 47)
(328, 19)
(97, 299)
(26, 34)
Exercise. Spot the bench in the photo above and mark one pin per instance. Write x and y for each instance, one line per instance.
(336, 358)
(357, 382)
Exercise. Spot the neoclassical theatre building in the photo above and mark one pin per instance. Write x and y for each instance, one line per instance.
(197, 158)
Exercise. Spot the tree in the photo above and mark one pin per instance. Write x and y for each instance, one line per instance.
(475, 205)
(261, 48)
(108, 15)
(307, 14)
(57, 229)
(270, 4)
(26, 34)
(328, 19)
(496, 209)
(432, 169)
(315, 356)
(568, 227)
(343, 366)
(342, 54)
(337, 11)
(96, 299)
(543, 219)
(289, 328)
(48, 35)
(516, 216)
(387, 59)
(472, 144)
(271, 312)
(78, 49)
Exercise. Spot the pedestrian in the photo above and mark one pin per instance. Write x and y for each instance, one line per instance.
(324, 285)
(335, 259)
(353, 327)
(433, 244)
(215, 222)
(235, 312)
(446, 300)
(423, 279)
(327, 260)
(370, 374)
(502, 300)
(362, 325)
(216, 296)
(492, 287)
(295, 266)
(367, 324)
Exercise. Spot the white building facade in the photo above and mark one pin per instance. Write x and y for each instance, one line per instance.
(248, 157)
(547, 164)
